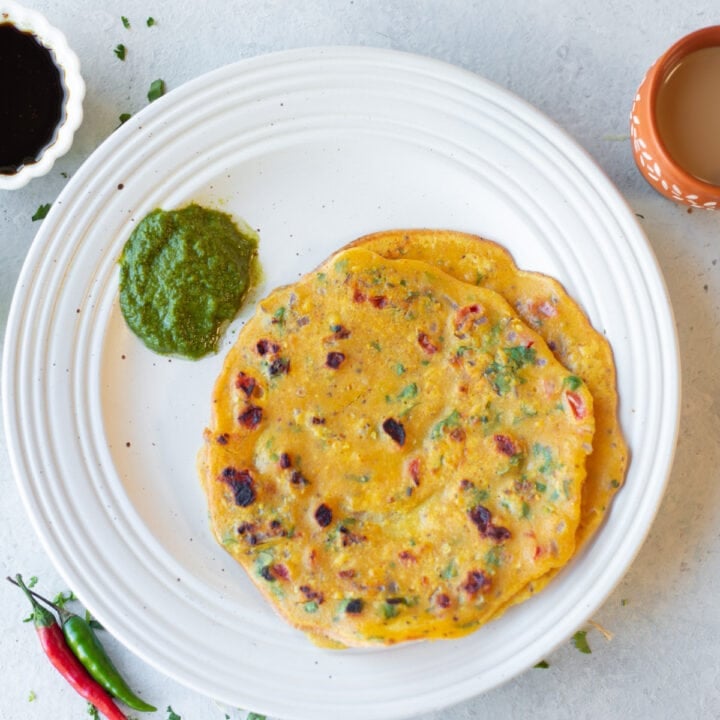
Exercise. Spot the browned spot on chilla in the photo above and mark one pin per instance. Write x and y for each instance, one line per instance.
(334, 360)
(482, 518)
(323, 515)
(475, 582)
(245, 382)
(395, 430)
(242, 485)
(251, 416)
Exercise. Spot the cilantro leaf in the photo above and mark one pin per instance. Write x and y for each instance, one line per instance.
(157, 89)
(573, 382)
(521, 355)
(32, 696)
(125, 22)
(410, 391)
(33, 581)
(120, 51)
(450, 571)
(41, 212)
(150, 21)
(172, 715)
(92, 711)
(579, 640)
(451, 421)
(124, 118)
(255, 716)
(542, 664)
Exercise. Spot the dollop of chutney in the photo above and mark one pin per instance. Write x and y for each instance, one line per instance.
(183, 277)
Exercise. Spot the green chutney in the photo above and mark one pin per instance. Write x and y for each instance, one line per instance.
(183, 277)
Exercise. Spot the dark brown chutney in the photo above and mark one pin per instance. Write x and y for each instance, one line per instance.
(32, 98)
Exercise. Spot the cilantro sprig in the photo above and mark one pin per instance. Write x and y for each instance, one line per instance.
(41, 212)
(579, 640)
(157, 89)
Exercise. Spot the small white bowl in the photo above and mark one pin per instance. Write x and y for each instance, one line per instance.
(69, 66)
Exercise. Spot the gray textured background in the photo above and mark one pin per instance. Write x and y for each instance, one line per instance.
(578, 62)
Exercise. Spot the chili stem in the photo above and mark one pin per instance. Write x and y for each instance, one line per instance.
(37, 595)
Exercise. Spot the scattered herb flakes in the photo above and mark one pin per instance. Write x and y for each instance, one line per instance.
(124, 118)
(543, 452)
(450, 571)
(64, 174)
(358, 478)
(41, 212)
(501, 376)
(624, 602)
(492, 557)
(120, 51)
(255, 716)
(399, 369)
(521, 355)
(579, 640)
(32, 696)
(389, 611)
(125, 22)
(542, 664)
(33, 581)
(451, 421)
(410, 391)
(92, 711)
(150, 21)
(172, 715)
(157, 89)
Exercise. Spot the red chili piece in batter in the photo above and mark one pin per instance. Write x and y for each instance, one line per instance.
(426, 344)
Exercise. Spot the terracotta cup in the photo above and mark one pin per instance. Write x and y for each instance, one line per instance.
(651, 155)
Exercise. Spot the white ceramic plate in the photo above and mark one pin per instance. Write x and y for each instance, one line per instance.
(314, 148)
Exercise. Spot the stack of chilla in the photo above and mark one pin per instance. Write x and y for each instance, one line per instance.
(410, 439)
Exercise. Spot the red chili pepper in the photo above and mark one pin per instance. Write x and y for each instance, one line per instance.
(61, 656)
(577, 405)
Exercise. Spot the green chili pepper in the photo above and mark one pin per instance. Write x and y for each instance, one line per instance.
(89, 651)
(85, 644)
